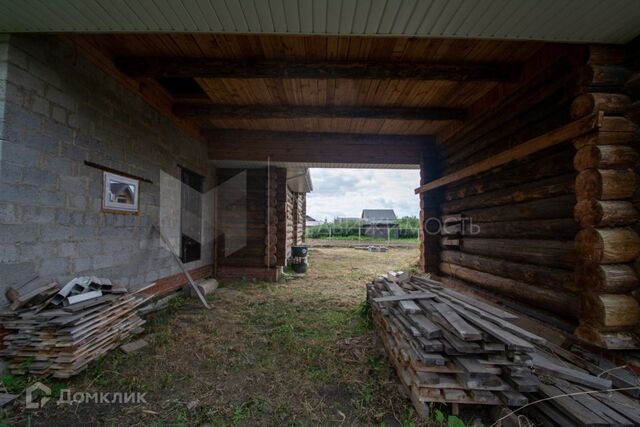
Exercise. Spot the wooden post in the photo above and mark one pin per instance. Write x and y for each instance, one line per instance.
(429, 214)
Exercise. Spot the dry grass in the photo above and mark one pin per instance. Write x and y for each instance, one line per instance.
(290, 353)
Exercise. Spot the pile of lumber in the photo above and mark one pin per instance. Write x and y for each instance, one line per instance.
(58, 331)
(450, 347)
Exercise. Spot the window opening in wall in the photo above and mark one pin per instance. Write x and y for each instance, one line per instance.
(190, 215)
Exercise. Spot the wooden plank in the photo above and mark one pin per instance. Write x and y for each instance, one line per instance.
(593, 404)
(544, 365)
(207, 111)
(426, 326)
(410, 296)
(512, 398)
(463, 329)
(557, 136)
(512, 341)
(573, 409)
(352, 70)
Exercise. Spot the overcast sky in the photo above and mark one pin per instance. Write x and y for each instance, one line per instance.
(345, 192)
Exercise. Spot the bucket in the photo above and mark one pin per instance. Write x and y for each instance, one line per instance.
(299, 251)
(299, 259)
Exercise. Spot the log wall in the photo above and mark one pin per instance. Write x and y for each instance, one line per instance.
(510, 230)
(608, 243)
(264, 224)
(553, 230)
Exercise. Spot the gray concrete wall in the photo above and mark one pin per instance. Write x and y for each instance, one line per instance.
(56, 111)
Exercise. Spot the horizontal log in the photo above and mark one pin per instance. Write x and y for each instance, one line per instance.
(632, 86)
(561, 228)
(551, 187)
(605, 157)
(537, 167)
(598, 213)
(612, 104)
(603, 54)
(567, 132)
(617, 124)
(551, 253)
(605, 184)
(607, 245)
(559, 302)
(633, 112)
(609, 312)
(605, 76)
(532, 274)
(603, 138)
(207, 111)
(352, 70)
(607, 340)
(606, 278)
(554, 207)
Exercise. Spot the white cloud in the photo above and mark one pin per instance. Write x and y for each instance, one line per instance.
(345, 192)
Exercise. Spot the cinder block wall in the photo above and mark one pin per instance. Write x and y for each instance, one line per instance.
(56, 111)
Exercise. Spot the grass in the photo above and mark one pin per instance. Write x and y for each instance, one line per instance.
(369, 239)
(301, 352)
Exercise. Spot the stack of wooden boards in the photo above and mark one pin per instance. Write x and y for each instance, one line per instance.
(452, 348)
(50, 334)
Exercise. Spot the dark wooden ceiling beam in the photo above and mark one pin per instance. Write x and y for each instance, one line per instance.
(203, 111)
(317, 147)
(354, 70)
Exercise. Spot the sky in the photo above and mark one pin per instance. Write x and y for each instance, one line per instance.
(345, 192)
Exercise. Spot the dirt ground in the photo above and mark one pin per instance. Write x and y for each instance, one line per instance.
(297, 352)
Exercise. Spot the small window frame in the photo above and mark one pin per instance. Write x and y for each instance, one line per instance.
(115, 207)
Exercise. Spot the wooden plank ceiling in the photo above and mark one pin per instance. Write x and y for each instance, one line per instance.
(370, 85)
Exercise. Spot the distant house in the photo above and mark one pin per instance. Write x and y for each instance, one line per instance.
(310, 222)
(380, 223)
(346, 219)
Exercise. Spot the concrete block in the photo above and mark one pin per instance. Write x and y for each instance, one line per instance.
(16, 274)
(59, 114)
(60, 131)
(82, 264)
(20, 154)
(52, 268)
(20, 194)
(54, 199)
(67, 249)
(10, 173)
(36, 250)
(9, 213)
(46, 144)
(9, 253)
(74, 152)
(40, 178)
(24, 79)
(103, 261)
(38, 215)
(59, 165)
(74, 184)
(77, 201)
(19, 233)
(90, 248)
(61, 98)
